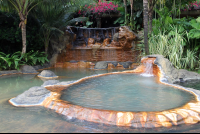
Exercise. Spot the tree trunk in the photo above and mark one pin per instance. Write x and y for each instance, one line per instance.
(23, 28)
(46, 48)
(46, 44)
(46, 40)
(132, 17)
(150, 20)
(145, 14)
(150, 11)
(126, 12)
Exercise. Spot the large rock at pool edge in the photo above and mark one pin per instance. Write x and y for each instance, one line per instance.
(125, 64)
(47, 74)
(26, 69)
(101, 65)
(34, 96)
(170, 72)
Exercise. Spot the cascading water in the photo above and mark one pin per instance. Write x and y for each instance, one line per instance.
(148, 64)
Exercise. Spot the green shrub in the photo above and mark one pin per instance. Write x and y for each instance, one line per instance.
(17, 59)
(171, 46)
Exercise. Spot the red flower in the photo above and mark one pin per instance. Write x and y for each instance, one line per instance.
(79, 12)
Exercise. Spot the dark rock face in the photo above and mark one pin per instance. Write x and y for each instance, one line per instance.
(125, 64)
(57, 45)
(101, 65)
(104, 64)
(125, 37)
(47, 74)
(115, 63)
(37, 67)
(171, 73)
(33, 96)
(26, 69)
(46, 65)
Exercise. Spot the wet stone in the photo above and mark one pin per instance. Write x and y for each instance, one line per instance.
(33, 96)
(47, 74)
(101, 65)
(125, 64)
(26, 69)
(115, 63)
(50, 82)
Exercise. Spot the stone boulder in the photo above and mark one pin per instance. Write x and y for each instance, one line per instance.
(34, 96)
(37, 67)
(101, 65)
(171, 74)
(46, 65)
(125, 64)
(125, 38)
(115, 63)
(47, 74)
(50, 82)
(26, 69)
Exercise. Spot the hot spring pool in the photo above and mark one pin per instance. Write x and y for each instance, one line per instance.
(38, 119)
(125, 92)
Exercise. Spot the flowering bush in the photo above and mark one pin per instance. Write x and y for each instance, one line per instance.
(191, 6)
(99, 8)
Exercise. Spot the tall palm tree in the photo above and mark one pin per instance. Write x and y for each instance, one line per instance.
(126, 12)
(150, 12)
(145, 13)
(53, 17)
(132, 17)
(22, 7)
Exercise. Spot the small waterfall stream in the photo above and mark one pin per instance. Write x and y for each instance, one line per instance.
(148, 63)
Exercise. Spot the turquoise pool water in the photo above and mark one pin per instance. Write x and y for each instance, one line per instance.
(38, 119)
(126, 92)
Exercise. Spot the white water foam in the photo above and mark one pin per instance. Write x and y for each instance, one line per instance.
(148, 70)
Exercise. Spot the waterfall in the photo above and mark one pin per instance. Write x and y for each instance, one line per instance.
(148, 64)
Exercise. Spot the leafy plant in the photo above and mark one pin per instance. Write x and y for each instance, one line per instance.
(88, 23)
(138, 19)
(11, 33)
(171, 46)
(53, 18)
(163, 22)
(41, 58)
(33, 58)
(17, 59)
(195, 32)
(100, 8)
(22, 7)
(121, 20)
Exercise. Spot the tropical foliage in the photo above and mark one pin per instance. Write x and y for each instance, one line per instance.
(195, 31)
(172, 36)
(100, 8)
(22, 7)
(53, 18)
(14, 61)
(11, 35)
(174, 41)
